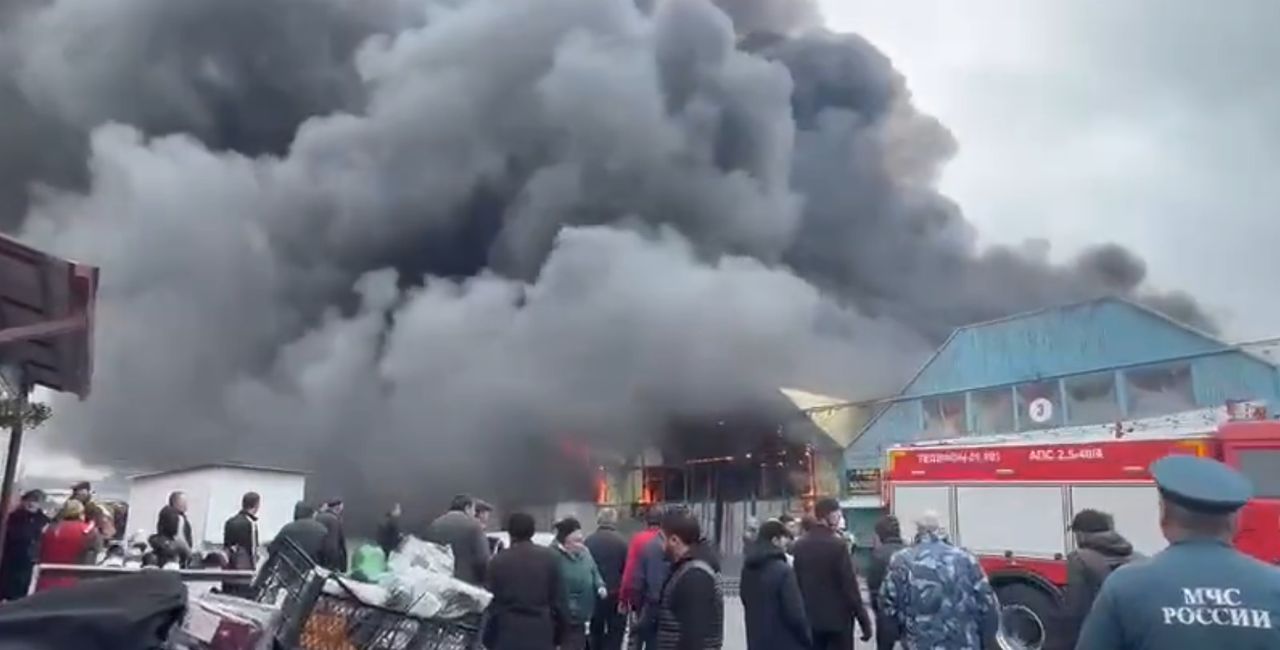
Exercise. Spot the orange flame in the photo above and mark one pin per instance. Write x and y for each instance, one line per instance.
(602, 487)
(811, 489)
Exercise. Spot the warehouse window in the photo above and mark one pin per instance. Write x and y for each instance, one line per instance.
(945, 416)
(1092, 399)
(1038, 406)
(1159, 390)
(701, 482)
(993, 411)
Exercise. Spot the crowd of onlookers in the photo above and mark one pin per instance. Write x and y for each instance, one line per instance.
(81, 531)
(799, 588)
(85, 532)
(925, 593)
(659, 589)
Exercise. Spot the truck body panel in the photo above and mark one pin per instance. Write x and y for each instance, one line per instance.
(1010, 499)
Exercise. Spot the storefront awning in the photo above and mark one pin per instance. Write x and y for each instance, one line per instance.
(840, 419)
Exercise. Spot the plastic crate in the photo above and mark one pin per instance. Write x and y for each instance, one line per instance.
(284, 580)
(330, 622)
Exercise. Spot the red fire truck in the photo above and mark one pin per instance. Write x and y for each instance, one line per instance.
(1010, 499)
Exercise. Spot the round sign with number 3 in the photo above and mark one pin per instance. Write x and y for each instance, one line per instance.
(1040, 410)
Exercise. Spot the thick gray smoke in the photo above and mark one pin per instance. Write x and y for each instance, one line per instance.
(394, 242)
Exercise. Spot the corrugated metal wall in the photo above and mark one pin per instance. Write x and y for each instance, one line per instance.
(1233, 377)
(1069, 340)
(1077, 340)
(729, 535)
(734, 520)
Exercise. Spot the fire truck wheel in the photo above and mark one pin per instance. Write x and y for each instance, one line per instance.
(1027, 616)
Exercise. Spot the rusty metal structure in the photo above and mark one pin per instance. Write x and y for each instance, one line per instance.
(46, 335)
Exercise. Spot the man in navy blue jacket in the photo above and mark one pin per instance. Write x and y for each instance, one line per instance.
(651, 574)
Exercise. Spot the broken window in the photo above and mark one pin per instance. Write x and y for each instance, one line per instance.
(1092, 399)
(1159, 390)
(945, 417)
(993, 411)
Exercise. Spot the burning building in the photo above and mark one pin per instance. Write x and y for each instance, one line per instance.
(406, 245)
(775, 456)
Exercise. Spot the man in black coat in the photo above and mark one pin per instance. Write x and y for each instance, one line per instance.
(824, 569)
(240, 541)
(305, 532)
(528, 611)
(771, 600)
(22, 537)
(240, 534)
(889, 541)
(691, 608)
(335, 541)
(177, 507)
(609, 549)
(390, 534)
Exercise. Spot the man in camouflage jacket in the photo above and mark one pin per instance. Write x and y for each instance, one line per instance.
(939, 594)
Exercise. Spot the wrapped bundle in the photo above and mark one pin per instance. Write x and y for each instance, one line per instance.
(340, 587)
(430, 594)
(420, 582)
(219, 622)
(414, 552)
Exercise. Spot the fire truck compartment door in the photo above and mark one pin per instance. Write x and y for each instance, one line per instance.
(911, 501)
(1135, 508)
(1259, 523)
(1024, 519)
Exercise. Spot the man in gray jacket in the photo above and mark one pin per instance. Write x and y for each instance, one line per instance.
(461, 531)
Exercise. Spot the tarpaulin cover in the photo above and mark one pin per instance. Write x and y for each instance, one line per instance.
(135, 612)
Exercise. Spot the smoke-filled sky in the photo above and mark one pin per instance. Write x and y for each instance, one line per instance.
(391, 241)
(1150, 122)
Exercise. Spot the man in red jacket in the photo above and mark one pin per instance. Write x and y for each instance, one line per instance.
(628, 597)
(70, 541)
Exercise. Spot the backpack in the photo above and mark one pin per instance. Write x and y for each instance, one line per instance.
(1099, 565)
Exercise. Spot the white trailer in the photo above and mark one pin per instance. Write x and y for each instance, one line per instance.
(213, 496)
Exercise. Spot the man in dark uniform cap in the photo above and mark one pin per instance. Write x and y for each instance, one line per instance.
(1199, 593)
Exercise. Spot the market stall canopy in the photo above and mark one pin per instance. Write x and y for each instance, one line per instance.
(46, 318)
(841, 419)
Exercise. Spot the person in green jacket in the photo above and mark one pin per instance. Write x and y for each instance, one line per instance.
(580, 581)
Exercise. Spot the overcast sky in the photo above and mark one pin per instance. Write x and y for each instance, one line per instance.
(1154, 123)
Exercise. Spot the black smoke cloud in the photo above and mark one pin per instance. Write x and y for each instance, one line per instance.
(238, 75)
(783, 17)
(394, 243)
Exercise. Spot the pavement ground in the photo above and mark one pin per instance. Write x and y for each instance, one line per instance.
(735, 627)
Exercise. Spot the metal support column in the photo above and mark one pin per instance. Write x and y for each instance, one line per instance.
(11, 460)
